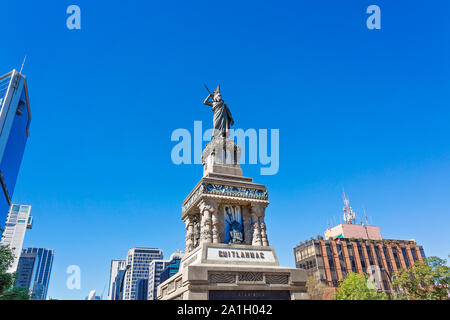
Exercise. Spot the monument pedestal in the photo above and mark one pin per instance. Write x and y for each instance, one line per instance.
(227, 253)
(233, 272)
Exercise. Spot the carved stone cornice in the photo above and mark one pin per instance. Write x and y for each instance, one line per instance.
(227, 192)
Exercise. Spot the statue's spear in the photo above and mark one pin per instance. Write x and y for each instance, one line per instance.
(208, 89)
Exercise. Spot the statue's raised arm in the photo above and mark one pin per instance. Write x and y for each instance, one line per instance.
(207, 102)
(222, 116)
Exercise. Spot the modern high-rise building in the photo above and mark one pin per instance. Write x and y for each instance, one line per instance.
(118, 285)
(26, 269)
(154, 278)
(172, 267)
(358, 248)
(34, 270)
(17, 223)
(15, 118)
(142, 289)
(157, 269)
(117, 265)
(138, 262)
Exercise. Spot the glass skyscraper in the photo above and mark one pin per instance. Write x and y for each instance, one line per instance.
(33, 272)
(141, 289)
(15, 117)
(171, 268)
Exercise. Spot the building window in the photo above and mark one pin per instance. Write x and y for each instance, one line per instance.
(396, 258)
(405, 257)
(422, 252)
(369, 253)
(414, 254)
(361, 257)
(351, 256)
(341, 258)
(388, 260)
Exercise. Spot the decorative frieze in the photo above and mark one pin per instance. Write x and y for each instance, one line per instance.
(250, 276)
(222, 278)
(225, 190)
(277, 279)
(236, 191)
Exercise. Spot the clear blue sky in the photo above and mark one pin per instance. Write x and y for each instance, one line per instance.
(360, 109)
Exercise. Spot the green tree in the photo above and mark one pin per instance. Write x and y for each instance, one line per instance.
(8, 288)
(354, 287)
(427, 280)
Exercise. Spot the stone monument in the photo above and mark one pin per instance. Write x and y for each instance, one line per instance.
(227, 253)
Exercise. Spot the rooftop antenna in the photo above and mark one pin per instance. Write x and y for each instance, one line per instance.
(23, 63)
(349, 214)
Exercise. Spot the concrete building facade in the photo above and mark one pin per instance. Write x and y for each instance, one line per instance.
(333, 259)
(17, 223)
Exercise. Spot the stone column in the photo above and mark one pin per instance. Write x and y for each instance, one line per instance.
(262, 226)
(256, 238)
(259, 235)
(215, 227)
(207, 207)
(189, 223)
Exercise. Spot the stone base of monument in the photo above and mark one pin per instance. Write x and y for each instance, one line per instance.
(217, 271)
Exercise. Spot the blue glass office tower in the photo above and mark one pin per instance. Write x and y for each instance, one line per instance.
(141, 289)
(34, 269)
(25, 269)
(15, 117)
(171, 269)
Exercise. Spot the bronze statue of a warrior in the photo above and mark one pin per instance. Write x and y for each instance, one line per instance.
(222, 115)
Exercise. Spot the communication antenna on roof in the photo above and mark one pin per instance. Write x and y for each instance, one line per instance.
(23, 63)
(365, 215)
(349, 214)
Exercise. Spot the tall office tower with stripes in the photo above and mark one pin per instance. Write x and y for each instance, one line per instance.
(138, 263)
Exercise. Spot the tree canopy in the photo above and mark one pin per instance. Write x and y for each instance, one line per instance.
(355, 287)
(8, 288)
(427, 280)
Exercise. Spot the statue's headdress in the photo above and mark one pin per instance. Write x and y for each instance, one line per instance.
(217, 89)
